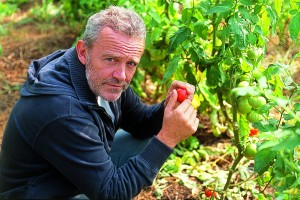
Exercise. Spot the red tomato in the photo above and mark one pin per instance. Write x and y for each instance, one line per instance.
(181, 94)
(208, 193)
(253, 132)
(215, 194)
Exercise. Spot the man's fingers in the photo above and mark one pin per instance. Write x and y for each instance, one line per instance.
(188, 87)
(172, 102)
(196, 124)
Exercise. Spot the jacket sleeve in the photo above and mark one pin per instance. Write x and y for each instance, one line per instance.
(138, 118)
(73, 146)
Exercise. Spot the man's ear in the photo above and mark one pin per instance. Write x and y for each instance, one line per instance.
(81, 51)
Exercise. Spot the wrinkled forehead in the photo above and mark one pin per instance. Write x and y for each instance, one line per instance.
(118, 44)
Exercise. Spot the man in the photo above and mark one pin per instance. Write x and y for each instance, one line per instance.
(60, 139)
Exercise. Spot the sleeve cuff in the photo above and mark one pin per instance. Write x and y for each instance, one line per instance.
(155, 154)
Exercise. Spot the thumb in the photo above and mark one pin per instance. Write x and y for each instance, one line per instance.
(172, 102)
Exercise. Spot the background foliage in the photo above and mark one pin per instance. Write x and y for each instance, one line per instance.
(218, 46)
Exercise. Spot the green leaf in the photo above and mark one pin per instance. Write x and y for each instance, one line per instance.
(296, 183)
(223, 34)
(178, 38)
(251, 38)
(294, 27)
(263, 159)
(296, 107)
(171, 68)
(288, 144)
(272, 70)
(287, 116)
(257, 9)
(272, 17)
(254, 19)
(201, 29)
(243, 128)
(215, 76)
(244, 12)
(283, 173)
(220, 8)
(268, 144)
(155, 16)
(278, 85)
(192, 142)
(211, 98)
(248, 2)
(186, 15)
(265, 20)
(246, 65)
(172, 166)
(265, 126)
(154, 35)
(288, 81)
(278, 5)
(197, 53)
(240, 34)
(243, 91)
(190, 77)
(293, 12)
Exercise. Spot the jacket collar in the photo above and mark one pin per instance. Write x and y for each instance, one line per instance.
(78, 77)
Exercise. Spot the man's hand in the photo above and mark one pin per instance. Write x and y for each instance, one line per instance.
(183, 85)
(180, 120)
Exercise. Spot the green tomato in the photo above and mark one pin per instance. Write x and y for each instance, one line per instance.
(250, 151)
(218, 42)
(257, 102)
(252, 116)
(243, 105)
(257, 74)
(243, 84)
(254, 53)
(245, 77)
(251, 53)
(157, 54)
(170, 33)
(267, 176)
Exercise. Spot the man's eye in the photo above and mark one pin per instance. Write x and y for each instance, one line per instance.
(133, 64)
(110, 59)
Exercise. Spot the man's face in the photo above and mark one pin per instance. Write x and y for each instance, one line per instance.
(111, 63)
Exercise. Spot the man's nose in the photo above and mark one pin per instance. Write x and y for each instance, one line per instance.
(120, 72)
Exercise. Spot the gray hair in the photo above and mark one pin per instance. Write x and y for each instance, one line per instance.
(117, 18)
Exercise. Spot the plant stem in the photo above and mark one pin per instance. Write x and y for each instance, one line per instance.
(231, 171)
(236, 142)
(223, 108)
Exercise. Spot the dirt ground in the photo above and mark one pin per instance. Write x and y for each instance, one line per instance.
(24, 43)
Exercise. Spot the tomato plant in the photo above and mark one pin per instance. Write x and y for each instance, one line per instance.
(219, 48)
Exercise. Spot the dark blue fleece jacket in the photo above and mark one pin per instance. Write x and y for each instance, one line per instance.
(57, 138)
